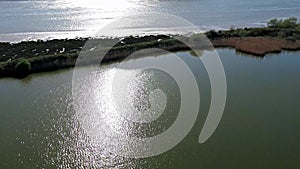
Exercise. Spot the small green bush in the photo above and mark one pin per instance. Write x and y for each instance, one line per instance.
(212, 34)
(283, 23)
(242, 33)
(298, 27)
(23, 66)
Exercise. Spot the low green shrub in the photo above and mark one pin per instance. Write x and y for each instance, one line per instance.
(298, 27)
(212, 34)
(283, 23)
(23, 67)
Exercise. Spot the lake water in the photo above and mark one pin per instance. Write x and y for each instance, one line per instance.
(259, 129)
(27, 20)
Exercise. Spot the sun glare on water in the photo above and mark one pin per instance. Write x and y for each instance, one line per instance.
(101, 4)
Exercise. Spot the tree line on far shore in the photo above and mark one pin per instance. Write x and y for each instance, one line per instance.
(284, 23)
(276, 28)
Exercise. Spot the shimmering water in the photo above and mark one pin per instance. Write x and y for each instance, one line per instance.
(259, 129)
(35, 19)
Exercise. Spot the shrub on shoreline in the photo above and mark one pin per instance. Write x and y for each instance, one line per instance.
(283, 23)
(22, 68)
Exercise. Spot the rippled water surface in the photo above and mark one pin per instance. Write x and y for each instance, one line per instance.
(35, 19)
(259, 129)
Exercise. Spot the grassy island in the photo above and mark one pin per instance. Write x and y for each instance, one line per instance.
(23, 58)
(280, 34)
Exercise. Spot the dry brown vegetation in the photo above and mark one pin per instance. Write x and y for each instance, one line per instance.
(259, 46)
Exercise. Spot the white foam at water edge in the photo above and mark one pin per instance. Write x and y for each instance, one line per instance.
(187, 31)
(34, 36)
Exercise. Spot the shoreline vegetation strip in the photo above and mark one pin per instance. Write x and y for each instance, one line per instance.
(24, 58)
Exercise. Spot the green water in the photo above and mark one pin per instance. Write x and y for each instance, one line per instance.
(259, 129)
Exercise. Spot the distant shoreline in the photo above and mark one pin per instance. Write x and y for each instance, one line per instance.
(24, 58)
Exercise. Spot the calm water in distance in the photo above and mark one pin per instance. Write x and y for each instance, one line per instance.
(24, 20)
